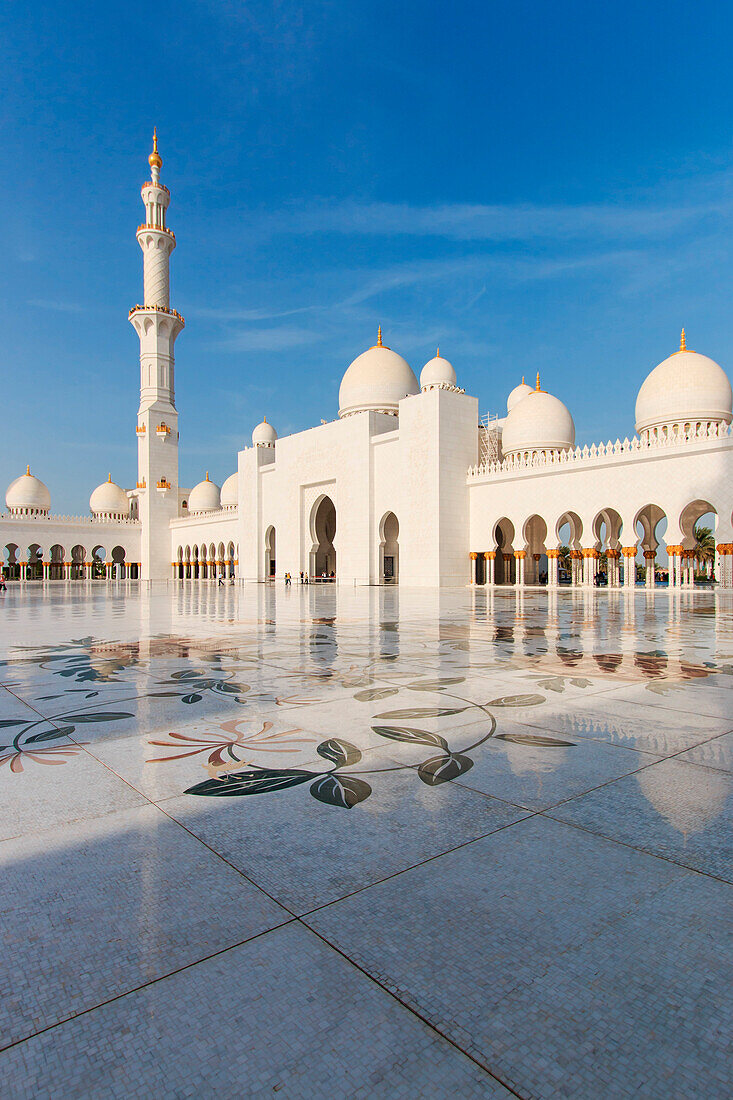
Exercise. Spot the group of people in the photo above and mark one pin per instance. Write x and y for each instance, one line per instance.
(304, 578)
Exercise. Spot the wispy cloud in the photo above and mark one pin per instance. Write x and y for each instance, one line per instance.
(57, 307)
(268, 339)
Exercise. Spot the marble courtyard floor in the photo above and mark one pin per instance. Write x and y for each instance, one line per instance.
(365, 842)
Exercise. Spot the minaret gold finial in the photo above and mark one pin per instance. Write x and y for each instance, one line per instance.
(155, 160)
(379, 337)
(683, 345)
(537, 387)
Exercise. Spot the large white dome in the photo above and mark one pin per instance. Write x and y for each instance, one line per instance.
(437, 372)
(517, 394)
(686, 388)
(204, 497)
(230, 491)
(28, 494)
(264, 435)
(538, 422)
(109, 499)
(377, 380)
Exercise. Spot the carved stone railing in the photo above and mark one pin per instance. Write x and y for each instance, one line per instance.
(532, 460)
(77, 521)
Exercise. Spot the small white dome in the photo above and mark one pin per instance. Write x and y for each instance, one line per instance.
(230, 491)
(686, 387)
(204, 497)
(377, 380)
(28, 494)
(264, 435)
(437, 372)
(109, 499)
(517, 394)
(539, 422)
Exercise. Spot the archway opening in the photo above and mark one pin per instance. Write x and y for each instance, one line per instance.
(389, 549)
(535, 536)
(323, 551)
(698, 522)
(504, 568)
(78, 557)
(270, 553)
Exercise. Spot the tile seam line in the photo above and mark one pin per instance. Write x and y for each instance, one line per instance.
(527, 816)
(633, 848)
(414, 1012)
(146, 985)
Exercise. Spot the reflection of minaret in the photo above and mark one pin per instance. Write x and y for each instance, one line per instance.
(157, 326)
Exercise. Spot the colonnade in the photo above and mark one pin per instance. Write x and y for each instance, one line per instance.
(584, 567)
(78, 571)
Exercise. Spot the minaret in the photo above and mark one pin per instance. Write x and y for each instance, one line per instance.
(157, 326)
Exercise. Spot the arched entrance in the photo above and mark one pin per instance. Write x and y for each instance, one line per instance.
(389, 550)
(270, 558)
(323, 532)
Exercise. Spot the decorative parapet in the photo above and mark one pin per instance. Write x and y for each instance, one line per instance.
(532, 460)
(140, 429)
(162, 429)
(78, 521)
(157, 229)
(228, 512)
(163, 484)
(157, 309)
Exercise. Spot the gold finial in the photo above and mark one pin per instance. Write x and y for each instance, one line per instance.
(28, 469)
(379, 337)
(537, 387)
(522, 379)
(264, 419)
(683, 345)
(207, 475)
(109, 478)
(154, 160)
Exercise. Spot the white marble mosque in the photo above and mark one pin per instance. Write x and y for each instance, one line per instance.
(408, 485)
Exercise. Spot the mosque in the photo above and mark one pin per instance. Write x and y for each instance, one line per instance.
(408, 485)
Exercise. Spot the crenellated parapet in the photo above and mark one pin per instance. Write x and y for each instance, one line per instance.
(620, 450)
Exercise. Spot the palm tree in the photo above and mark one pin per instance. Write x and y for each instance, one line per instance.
(704, 548)
(564, 558)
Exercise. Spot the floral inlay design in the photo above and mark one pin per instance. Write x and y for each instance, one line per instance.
(338, 784)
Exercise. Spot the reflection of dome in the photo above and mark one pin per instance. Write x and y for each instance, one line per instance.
(109, 499)
(204, 497)
(517, 394)
(538, 422)
(687, 798)
(437, 372)
(28, 495)
(264, 435)
(230, 491)
(685, 388)
(377, 380)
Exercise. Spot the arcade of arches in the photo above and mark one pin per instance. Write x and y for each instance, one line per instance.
(208, 562)
(605, 553)
(59, 564)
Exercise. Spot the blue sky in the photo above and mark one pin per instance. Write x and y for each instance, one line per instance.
(532, 186)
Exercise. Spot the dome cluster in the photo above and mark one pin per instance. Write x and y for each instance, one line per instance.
(536, 422)
(379, 379)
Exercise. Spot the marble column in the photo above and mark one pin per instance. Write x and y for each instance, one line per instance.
(725, 552)
(473, 556)
(489, 559)
(553, 567)
(650, 558)
(629, 553)
(520, 556)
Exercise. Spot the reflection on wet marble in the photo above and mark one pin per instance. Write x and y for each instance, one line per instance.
(496, 825)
